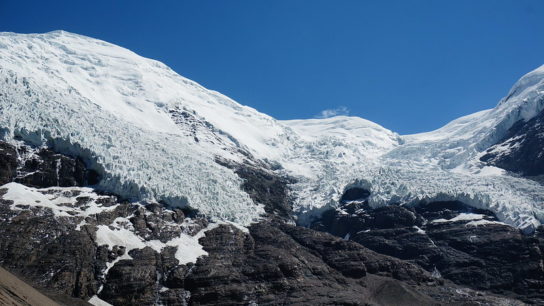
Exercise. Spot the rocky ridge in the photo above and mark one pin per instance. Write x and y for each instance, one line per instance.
(58, 244)
(451, 240)
(520, 151)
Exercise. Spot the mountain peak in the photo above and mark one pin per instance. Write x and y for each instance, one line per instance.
(154, 135)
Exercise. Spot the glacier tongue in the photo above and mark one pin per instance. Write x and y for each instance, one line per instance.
(441, 165)
(155, 135)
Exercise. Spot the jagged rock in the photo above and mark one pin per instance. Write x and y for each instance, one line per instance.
(60, 253)
(520, 150)
(448, 210)
(341, 222)
(265, 187)
(273, 262)
(8, 163)
(486, 256)
(48, 169)
(131, 282)
(502, 258)
(41, 167)
(174, 297)
(279, 263)
(47, 250)
(354, 193)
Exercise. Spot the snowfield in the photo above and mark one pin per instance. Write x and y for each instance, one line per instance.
(154, 135)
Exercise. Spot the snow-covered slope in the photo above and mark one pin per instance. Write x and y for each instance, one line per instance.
(155, 135)
(438, 165)
(127, 116)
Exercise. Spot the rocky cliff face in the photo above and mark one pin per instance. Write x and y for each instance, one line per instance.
(450, 240)
(521, 150)
(77, 242)
(41, 168)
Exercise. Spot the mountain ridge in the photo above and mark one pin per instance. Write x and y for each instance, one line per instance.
(131, 102)
(123, 182)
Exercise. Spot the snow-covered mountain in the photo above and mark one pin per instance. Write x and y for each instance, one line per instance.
(154, 135)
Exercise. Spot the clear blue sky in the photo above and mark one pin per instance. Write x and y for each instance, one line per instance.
(410, 66)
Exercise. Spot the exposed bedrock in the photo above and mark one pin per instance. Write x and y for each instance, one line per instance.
(8, 163)
(65, 255)
(277, 263)
(61, 247)
(520, 151)
(42, 167)
(449, 239)
(273, 263)
(265, 187)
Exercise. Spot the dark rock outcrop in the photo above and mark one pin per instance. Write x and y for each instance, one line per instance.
(521, 150)
(8, 163)
(49, 250)
(265, 187)
(41, 167)
(449, 239)
(353, 194)
(45, 168)
(273, 262)
(131, 282)
(276, 263)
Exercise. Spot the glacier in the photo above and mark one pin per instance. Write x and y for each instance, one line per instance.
(154, 135)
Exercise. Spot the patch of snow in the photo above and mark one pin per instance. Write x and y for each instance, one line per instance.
(96, 301)
(419, 230)
(118, 237)
(482, 222)
(436, 273)
(490, 170)
(121, 237)
(62, 201)
(188, 247)
(461, 217)
(163, 289)
(81, 224)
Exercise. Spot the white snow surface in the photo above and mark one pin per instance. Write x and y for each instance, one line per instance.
(123, 114)
(60, 200)
(461, 217)
(96, 301)
(482, 223)
(116, 234)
